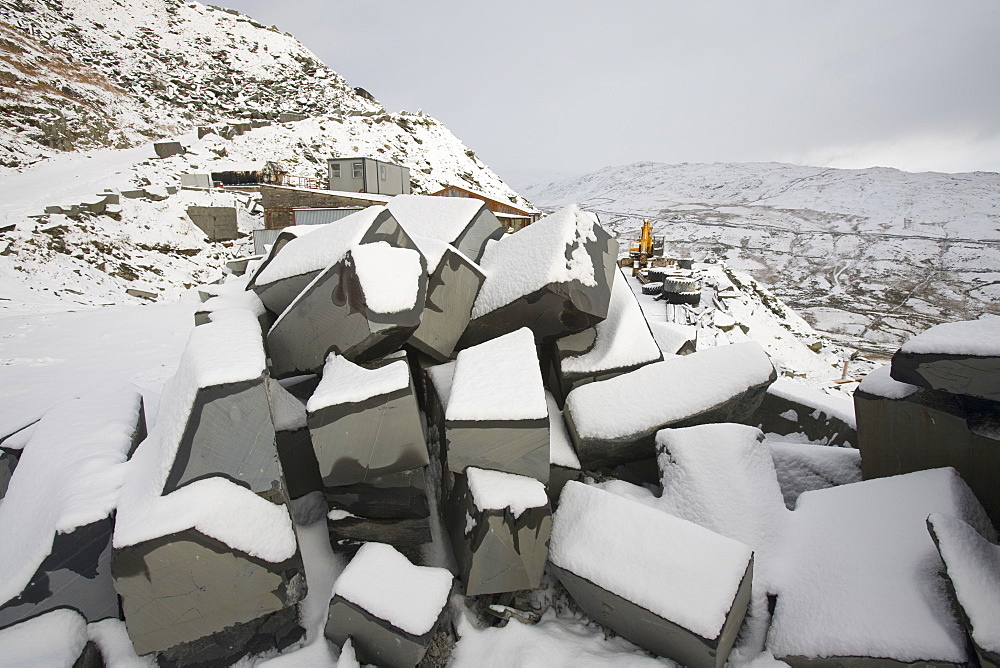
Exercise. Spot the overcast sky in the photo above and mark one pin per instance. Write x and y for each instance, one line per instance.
(543, 88)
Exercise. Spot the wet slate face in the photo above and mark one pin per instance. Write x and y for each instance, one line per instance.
(931, 429)
(298, 462)
(451, 293)
(600, 453)
(355, 442)
(654, 633)
(76, 575)
(400, 495)
(375, 640)
(958, 374)
(331, 316)
(398, 532)
(512, 446)
(8, 462)
(495, 551)
(483, 228)
(229, 434)
(181, 588)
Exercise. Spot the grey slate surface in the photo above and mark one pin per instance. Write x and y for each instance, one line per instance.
(512, 446)
(958, 374)
(654, 633)
(375, 640)
(931, 429)
(451, 293)
(498, 553)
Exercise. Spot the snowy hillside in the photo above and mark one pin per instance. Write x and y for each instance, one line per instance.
(87, 73)
(868, 255)
(78, 76)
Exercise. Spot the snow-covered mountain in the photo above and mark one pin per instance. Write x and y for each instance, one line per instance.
(86, 85)
(869, 255)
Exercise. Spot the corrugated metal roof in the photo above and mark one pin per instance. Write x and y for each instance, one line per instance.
(262, 238)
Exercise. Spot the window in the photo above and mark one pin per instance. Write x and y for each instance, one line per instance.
(381, 172)
(335, 171)
(357, 170)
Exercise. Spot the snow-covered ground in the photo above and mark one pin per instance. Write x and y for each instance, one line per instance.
(870, 256)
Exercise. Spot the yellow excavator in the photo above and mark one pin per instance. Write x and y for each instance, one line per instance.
(644, 250)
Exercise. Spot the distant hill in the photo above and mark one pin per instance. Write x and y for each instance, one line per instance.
(868, 255)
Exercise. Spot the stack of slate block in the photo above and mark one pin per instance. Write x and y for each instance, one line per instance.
(937, 404)
(204, 502)
(366, 433)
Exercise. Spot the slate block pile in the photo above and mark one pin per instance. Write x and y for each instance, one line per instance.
(443, 395)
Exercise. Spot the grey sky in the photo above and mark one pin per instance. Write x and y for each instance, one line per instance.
(548, 87)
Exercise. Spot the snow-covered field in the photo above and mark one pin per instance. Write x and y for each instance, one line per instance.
(870, 256)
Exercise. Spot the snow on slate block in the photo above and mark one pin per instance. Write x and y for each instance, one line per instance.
(957, 357)
(721, 477)
(972, 565)
(802, 467)
(111, 639)
(286, 273)
(880, 383)
(497, 417)
(618, 344)
(463, 222)
(388, 607)
(668, 585)
(553, 276)
(672, 338)
(365, 423)
(859, 574)
(203, 498)
(389, 277)
(834, 406)
(57, 638)
(499, 380)
(237, 299)
(333, 314)
(496, 490)
(610, 422)
(56, 517)
(499, 525)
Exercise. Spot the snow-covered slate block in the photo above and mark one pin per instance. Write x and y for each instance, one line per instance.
(56, 520)
(553, 276)
(721, 476)
(388, 607)
(957, 357)
(904, 428)
(292, 265)
(238, 298)
(805, 466)
(365, 422)
(465, 223)
(452, 286)
(673, 338)
(293, 442)
(204, 502)
(57, 638)
(790, 407)
(972, 564)
(616, 345)
(499, 524)
(496, 416)
(668, 585)
(616, 420)
(860, 576)
(362, 307)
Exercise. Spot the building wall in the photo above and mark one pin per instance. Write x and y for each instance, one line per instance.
(491, 204)
(279, 202)
(346, 182)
